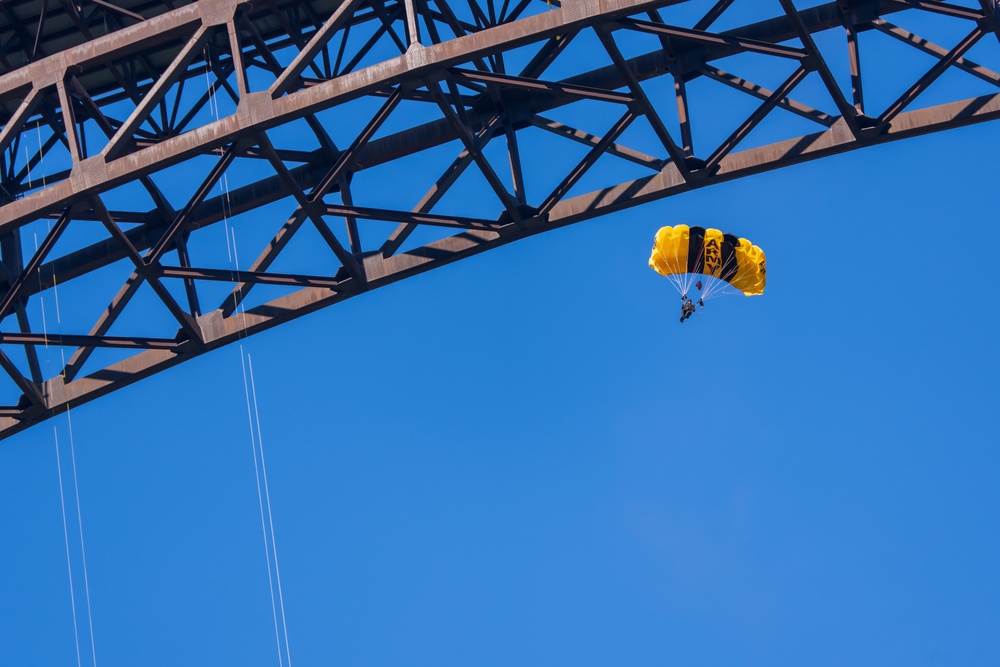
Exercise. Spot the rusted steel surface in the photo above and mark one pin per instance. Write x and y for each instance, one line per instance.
(132, 129)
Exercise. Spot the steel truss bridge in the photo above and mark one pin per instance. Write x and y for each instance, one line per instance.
(346, 144)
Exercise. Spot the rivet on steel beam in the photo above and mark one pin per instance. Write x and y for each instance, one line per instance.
(255, 108)
(217, 12)
(89, 173)
(49, 71)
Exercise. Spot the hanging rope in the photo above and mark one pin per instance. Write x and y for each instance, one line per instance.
(69, 561)
(253, 418)
(260, 500)
(270, 515)
(76, 482)
(260, 472)
(79, 520)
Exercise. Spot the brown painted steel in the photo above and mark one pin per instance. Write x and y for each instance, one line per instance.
(125, 108)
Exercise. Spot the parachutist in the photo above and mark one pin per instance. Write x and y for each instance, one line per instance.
(687, 310)
(707, 256)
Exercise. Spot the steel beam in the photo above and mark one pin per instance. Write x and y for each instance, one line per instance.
(85, 116)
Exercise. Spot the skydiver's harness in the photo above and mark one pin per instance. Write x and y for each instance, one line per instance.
(687, 308)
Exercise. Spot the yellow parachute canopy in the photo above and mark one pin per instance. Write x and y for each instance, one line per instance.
(681, 250)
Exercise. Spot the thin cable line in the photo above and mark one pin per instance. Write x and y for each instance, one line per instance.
(69, 561)
(41, 153)
(76, 483)
(270, 514)
(79, 519)
(55, 292)
(213, 107)
(267, 525)
(261, 472)
(62, 495)
(260, 502)
(41, 300)
(233, 254)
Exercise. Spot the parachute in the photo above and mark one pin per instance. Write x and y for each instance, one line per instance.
(726, 264)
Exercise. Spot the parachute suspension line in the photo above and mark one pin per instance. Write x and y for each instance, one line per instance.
(713, 287)
(710, 284)
(718, 264)
(676, 283)
(678, 279)
(717, 287)
(682, 281)
(689, 278)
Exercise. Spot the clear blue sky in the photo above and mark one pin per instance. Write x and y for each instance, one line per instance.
(524, 459)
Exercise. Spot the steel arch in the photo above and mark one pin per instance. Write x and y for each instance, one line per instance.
(98, 130)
